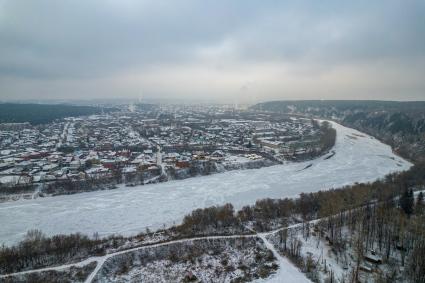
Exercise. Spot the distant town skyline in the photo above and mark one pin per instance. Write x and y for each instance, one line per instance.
(217, 51)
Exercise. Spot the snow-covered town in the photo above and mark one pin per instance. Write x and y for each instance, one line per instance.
(212, 141)
(142, 144)
(122, 223)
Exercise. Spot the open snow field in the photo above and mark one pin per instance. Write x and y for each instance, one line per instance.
(128, 210)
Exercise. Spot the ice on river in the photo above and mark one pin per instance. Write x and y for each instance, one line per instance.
(129, 210)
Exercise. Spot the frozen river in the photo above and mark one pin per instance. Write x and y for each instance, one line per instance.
(358, 158)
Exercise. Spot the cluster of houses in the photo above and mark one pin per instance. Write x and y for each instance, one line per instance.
(129, 141)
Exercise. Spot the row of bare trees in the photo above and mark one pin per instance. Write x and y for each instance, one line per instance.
(37, 250)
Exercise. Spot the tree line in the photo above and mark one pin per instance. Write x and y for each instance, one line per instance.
(36, 251)
(42, 113)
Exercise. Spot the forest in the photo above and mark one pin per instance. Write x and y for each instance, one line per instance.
(383, 240)
(43, 113)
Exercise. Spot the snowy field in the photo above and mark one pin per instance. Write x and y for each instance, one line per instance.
(129, 210)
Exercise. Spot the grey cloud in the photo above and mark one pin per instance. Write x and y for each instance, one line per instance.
(77, 38)
(338, 32)
(87, 40)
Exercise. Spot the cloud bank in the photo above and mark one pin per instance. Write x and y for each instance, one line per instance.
(230, 51)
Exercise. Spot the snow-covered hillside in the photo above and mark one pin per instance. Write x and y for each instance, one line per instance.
(358, 158)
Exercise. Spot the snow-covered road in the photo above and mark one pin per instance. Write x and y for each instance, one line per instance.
(287, 272)
(358, 158)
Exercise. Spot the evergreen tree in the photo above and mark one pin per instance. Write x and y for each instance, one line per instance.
(420, 199)
(420, 204)
(407, 201)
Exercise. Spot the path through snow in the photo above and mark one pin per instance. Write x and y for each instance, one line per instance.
(287, 272)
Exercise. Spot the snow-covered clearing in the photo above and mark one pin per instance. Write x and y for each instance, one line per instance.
(130, 210)
(207, 260)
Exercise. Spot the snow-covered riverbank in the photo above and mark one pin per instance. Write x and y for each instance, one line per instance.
(358, 158)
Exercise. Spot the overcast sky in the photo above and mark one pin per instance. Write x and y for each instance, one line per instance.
(231, 51)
